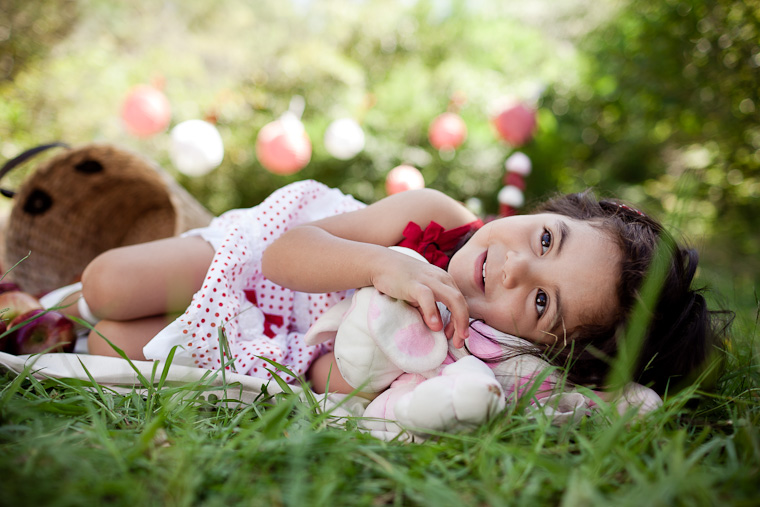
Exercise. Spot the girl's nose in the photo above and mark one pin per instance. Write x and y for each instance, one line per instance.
(514, 269)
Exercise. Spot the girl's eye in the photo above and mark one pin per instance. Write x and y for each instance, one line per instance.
(546, 241)
(541, 302)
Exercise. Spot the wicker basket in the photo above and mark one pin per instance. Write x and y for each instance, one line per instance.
(85, 201)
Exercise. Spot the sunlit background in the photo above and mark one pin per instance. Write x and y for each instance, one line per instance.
(654, 101)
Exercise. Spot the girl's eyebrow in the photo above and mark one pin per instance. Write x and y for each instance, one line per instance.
(564, 235)
(558, 319)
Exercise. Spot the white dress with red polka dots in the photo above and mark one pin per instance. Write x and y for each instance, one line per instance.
(258, 318)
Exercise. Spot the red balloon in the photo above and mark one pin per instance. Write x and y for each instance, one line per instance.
(447, 131)
(516, 124)
(146, 111)
(514, 179)
(506, 210)
(402, 178)
(283, 147)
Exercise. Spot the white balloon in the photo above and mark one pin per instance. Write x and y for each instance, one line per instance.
(196, 147)
(518, 163)
(344, 138)
(511, 196)
(475, 205)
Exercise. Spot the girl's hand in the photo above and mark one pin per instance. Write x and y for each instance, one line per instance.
(422, 285)
(349, 250)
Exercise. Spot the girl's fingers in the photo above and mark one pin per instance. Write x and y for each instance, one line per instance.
(460, 319)
(449, 330)
(423, 288)
(459, 336)
(457, 328)
(429, 310)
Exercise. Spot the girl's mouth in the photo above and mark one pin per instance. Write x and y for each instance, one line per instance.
(480, 271)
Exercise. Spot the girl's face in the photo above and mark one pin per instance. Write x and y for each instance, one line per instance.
(538, 276)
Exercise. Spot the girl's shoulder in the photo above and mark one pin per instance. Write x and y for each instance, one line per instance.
(428, 205)
(384, 221)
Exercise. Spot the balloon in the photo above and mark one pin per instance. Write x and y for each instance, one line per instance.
(344, 138)
(447, 131)
(506, 211)
(511, 196)
(283, 146)
(475, 205)
(514, 179)
(145, 111)
(402, 178)
(518, 163)
(516, 124)
(196, 147)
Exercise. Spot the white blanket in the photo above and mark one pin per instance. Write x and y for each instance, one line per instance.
(123, 376)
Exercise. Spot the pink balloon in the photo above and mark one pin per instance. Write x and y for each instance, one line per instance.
(402, 178)
(516, 124)
(447, 131)
(146, 111)
(283, 147)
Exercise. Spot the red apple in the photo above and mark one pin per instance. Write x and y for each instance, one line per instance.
(15, 302)
(49, 331)
(8, 286)
(3, 340)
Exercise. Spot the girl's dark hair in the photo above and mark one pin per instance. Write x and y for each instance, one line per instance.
(682, 332)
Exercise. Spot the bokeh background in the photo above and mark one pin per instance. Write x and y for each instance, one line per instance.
(653, 101)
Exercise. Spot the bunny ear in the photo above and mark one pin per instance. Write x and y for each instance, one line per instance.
(400, 333)
(487, 343)
(327, 325)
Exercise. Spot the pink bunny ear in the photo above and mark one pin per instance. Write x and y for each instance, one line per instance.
(400, 333)
(488, 343)
(327, 326)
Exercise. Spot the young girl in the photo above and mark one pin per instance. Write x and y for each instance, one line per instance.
(565, 278)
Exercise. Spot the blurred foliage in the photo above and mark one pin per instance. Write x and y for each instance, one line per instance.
(655, 101)
(29, 29)
(241, 63)
(666, 115)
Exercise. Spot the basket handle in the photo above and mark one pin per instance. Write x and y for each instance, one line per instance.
(23, 157)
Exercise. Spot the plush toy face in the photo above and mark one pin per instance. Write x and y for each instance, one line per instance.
(80, 203)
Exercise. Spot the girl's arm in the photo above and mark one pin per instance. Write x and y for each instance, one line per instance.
(349, 251)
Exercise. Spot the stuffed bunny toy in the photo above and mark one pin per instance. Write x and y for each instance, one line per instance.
(420, 384)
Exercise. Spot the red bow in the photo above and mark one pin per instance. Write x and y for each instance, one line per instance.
(434, 241)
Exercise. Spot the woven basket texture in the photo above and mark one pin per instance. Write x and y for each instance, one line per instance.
(85, 201)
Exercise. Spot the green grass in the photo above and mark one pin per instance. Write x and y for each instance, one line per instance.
(69, 442)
